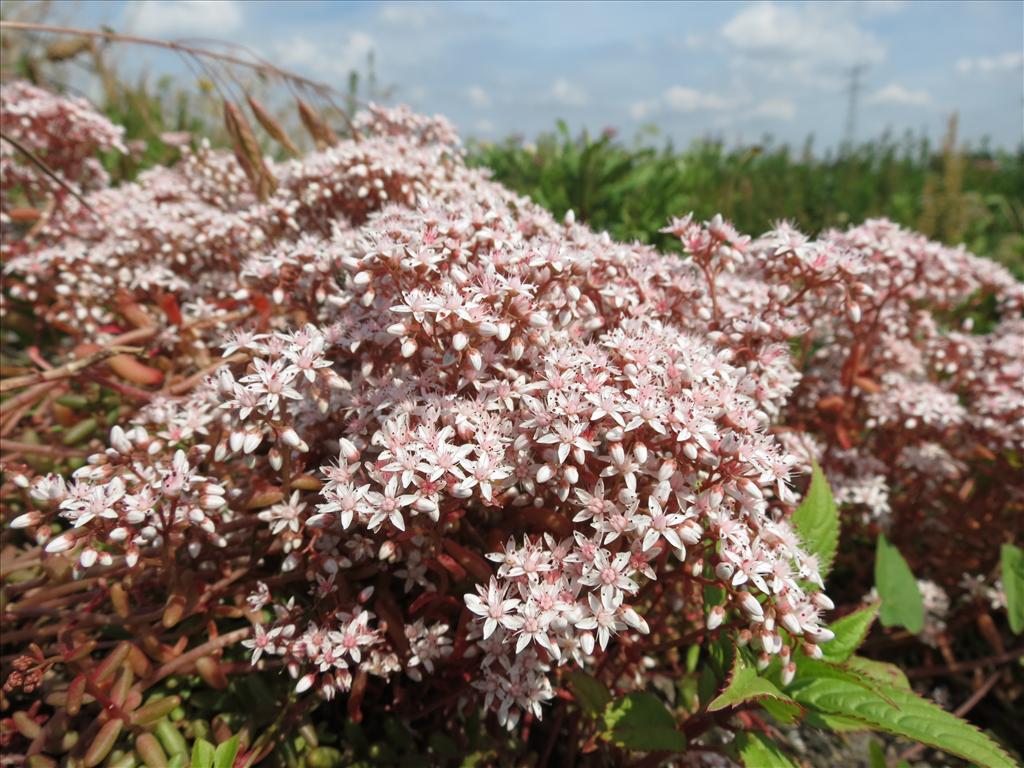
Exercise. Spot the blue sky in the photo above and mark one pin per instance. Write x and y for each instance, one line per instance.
(737, 71)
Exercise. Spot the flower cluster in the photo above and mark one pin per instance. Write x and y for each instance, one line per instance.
(63, 132)
(403, 424)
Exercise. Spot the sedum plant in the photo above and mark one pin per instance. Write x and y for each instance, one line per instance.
(367, 424)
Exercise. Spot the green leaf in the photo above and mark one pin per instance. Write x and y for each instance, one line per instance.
(835, 691)
(758, 752)
(883, 672)
(713, 595)
(692, 657)
(202, 754)
(902, 605)
(707, 684)
(591, 694)
(640, 721)
(745, 685)
(1012, 559)
(225, 754)
(835, 723)
(876, 755)
(817, 520)
(785, 712)
(850, 632)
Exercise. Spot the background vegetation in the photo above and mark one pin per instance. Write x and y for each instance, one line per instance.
(947, 192)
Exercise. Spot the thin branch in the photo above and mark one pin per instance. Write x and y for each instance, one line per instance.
(47, 170)
(13, 410)
(66, 371)
(211, 646)
(967, 666)
(40, 450)
(261, 65)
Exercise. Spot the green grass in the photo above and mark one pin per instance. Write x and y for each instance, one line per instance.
(953, 195)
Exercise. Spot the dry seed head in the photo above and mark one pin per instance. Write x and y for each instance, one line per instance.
(247, 150)
(62, 50)
(317, 126)
(271, 126)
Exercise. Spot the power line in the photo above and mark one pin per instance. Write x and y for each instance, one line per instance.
(853, 89)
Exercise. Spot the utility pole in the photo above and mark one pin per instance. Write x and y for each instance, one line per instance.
(853, 96)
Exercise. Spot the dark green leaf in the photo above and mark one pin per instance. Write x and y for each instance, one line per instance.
(876, 755)
(902, 604)
(591, 694)
(641, 722)
(1012, 559)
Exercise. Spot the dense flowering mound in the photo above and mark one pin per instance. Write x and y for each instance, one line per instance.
(915, 415)
(394, 421)
(66, 133)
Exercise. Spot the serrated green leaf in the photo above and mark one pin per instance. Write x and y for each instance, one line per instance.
(640, 721)
(225, 754)
(1012, 560)
(817, 521)
(591, 694)
(835, 691)
(882, 671)
(202, 754)
(785, 712)
(745, 685)
(835, 723)
(902, 604)
(850, 632)
(756, 751)
(707, 684)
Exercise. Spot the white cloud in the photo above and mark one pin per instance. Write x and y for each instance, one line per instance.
(407, 14)
(900, 96)
(776, 109)
(883, 7)
(166, 18)
(568, 95)
(810, 35)
(679, 98)
(478, 97)
(484, 126)
(328, 59)
(641, 109)
(986, 64)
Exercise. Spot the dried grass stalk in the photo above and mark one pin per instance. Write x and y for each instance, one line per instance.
(317, 126)
(271, 126)
(247, 150)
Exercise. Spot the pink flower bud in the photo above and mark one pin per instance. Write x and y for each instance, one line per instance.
(751, 607)
(715, 617)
